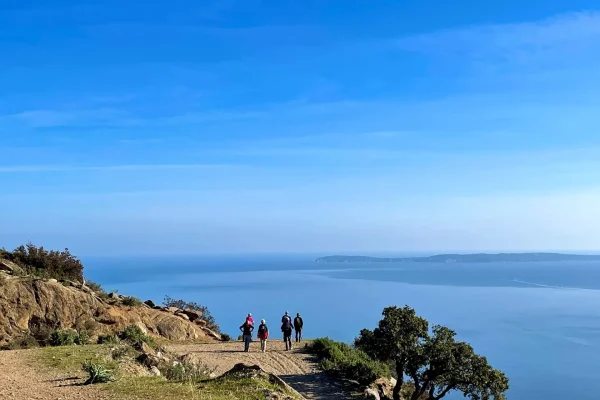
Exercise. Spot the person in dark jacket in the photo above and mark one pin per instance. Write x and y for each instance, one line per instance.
(263, 335)
(298, 325)
(286, 328)
(286, 317)
(247, 329)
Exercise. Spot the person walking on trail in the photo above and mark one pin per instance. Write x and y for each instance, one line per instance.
(250, 319)
(247, 329)
(286, 328)
(298, 325)
(263, 335)
(286, 317)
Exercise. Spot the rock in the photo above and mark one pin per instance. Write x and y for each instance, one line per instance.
(10, 267)
(212, 334)
(145, 349)
(192, 315)
(371, 394)
(150, 303)
(173, 310)
(384, 387)
(154, 371)
(148, 360)
(182, 315)
(26, 302)
(52, 280)
(112, 295)
(200, 322)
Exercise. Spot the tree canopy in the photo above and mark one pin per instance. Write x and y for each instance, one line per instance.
(435, 361)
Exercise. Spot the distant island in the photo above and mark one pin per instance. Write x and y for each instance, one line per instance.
(464, 258)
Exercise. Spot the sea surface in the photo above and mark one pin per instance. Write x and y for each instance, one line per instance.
(538, 322)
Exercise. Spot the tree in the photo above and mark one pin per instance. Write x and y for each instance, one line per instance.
(211, 323)
(436, 362)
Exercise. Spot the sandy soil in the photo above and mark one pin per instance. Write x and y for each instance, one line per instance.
(19, 380)
(296, 367)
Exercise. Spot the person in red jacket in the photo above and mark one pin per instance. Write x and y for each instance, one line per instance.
(249, 319)
(263, 334)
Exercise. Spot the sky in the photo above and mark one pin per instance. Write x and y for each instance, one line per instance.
(230, 126)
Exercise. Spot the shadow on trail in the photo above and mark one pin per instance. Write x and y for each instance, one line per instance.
(319, 385)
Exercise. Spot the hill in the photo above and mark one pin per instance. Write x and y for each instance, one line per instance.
(464, 258)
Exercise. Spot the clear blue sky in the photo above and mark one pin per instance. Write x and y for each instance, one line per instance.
(145, 127)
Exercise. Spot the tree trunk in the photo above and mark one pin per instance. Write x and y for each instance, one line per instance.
(399, 382)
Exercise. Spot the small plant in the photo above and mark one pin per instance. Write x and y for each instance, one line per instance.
(82, 338)
(120, 352)
(131, 301)
(108, 339)
(240, 338)
(97, 373)
(64, 337)
(135, 335)
(186, 372)
(96, 288)
(23, 342)
(225, 337)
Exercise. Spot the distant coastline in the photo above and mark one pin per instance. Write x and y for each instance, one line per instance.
(464, 258)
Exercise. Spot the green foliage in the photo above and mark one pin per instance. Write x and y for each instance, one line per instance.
(225, 337)
(96, 373)
(344, 361)
(61, 265)
(131, 301)
(186, 372)
(436, 362)
(22, 342)
(96, 288)
(135, 335)
(64, 337)
(108, 339)
(211, 323)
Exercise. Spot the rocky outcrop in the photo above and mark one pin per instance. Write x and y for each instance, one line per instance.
(242, 370)
(28, 304)
(10, 267)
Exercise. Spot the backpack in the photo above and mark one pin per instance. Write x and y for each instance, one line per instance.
(262, 329)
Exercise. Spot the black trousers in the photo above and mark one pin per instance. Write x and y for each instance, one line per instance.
(298, 334)
(287, 338)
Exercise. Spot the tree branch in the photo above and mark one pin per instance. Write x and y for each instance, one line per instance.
(444, 392)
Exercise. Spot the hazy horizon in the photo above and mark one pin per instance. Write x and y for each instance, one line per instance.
(247, 127)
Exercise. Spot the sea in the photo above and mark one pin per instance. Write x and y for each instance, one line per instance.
(537, 322)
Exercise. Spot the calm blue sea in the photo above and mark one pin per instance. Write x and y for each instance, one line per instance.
(540, 323)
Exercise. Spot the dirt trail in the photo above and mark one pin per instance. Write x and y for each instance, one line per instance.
(295, 367)
(19, 380)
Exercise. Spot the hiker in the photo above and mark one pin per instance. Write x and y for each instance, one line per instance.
(247, 329)
(286, 328)
(298, 325)
(250, 319)
(263, 335)
(286, 317)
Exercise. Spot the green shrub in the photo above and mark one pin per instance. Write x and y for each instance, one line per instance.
(96, 373)
(131, 301)
(64, 337)
(344, 361)
(108, 339)
(211, 323)
(135, 335)
(82, 338)
(23, 342)
(60, 265)
(225, 337)
(96, 288)
(186, 372)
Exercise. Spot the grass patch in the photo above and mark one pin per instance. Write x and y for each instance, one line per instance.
(96, 373)
(71, 358)
(135, 335)
(343, 361)
(131, 301)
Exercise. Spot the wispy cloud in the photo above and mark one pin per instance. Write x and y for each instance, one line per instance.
(55, 118)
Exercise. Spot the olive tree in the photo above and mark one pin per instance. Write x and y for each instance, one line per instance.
(435, 362)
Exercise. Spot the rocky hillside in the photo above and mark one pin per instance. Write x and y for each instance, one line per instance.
(29, 305)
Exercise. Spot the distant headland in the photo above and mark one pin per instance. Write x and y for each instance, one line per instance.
(464, 258)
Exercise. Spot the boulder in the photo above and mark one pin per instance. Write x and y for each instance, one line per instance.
(145, 349)
(182, 315)
(173, 310)
(148, 360)
(371, 394)
(150, 303)
(192, 315)
(154, 371)
(212, 334)
(200, 322)
(384, 388)
(52, 280)
(10, 267)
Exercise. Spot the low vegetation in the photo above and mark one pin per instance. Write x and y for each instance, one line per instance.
(96, 373)
(131, 301)
(186, 305)
(343, 361)
(38, 261)
(134, 335)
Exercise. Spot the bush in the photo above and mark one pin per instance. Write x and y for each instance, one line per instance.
(186, 372)
(186, 305)
(344, 361)
(134, 335)
(82, 338)
(96, 288)
(97, 373)
(131, 301)
(23, 342)
(60, 265)
(64, 337)
(108, 339)
(225, 337)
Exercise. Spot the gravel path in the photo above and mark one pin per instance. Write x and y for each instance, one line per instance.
(295, 367)
(19, 380)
